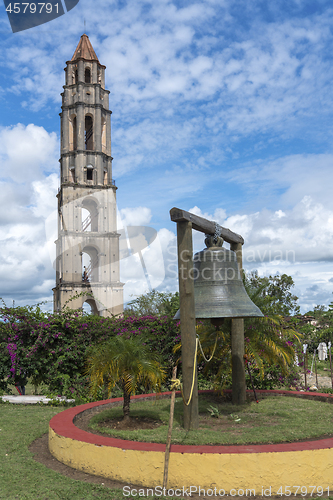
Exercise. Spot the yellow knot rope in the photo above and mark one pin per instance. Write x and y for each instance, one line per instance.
(175, 384)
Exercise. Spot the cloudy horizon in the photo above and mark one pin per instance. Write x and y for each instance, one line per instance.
(220, 107)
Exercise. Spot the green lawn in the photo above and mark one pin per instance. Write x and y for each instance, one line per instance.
(274, 419)
(21, 478)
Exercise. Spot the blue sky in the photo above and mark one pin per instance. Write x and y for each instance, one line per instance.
(220, 107)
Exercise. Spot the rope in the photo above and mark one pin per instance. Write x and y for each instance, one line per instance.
(175, 383)
(203, 355)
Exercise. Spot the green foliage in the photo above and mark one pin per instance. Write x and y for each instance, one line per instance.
(273, 377)
(51, 348)
(154, 303)
(128, 361)
(274, 293)
(325, 323)
(320, 329)
(214, 411)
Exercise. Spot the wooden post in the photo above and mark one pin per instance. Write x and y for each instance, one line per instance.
(237, 345)
(186, 294)
(331, 366)
(168, 443)
(305, 381)
(315, 357)
(187, 322)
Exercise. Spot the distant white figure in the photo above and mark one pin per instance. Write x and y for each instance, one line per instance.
(296, 360)
(322, 351)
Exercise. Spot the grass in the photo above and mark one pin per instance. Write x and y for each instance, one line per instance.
(21, 478)
(320, 367)
(273, 420)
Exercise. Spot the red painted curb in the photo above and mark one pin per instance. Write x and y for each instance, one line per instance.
(63, 425)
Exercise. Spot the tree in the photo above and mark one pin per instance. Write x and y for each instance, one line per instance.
(127, 361)
(154, 303)
(276, 292)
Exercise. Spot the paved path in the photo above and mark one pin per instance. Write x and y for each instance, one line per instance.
(323, 381)
(30, 400)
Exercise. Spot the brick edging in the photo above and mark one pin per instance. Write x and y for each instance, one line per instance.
(63, 425)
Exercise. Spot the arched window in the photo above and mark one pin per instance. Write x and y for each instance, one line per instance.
(89, 215)
(86, 220)
(89, 307)
(103, 127)
(90, 265)
(88, 133)
(72, 133)
(76, 76)
(90, 173)
(87, 76)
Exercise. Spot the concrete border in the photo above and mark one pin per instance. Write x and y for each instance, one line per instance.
(33, 400)
(308, 463)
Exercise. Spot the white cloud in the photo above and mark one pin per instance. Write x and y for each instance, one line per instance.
(44, 194)
(139, 216)
(28, 197)
(26, 151)
(299, 244)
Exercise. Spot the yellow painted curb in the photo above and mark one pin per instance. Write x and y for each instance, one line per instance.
(261, 467)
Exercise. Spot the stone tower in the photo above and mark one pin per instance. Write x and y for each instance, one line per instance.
(87, 265)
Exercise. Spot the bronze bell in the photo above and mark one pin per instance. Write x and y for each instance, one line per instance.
(218, 287)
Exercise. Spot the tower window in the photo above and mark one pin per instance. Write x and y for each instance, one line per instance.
(103, 126)
(87, 77)
(72, 133)
(88, 136)
(72, 174)
(89, 174)
(76, 76)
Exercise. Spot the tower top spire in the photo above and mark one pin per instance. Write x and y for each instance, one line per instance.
(84, 50)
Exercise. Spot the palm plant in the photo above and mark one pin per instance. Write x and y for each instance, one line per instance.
(127, 361)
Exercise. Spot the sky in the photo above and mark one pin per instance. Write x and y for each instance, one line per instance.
(223, 108)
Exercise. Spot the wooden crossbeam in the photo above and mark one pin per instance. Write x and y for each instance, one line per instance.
(204, 225)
